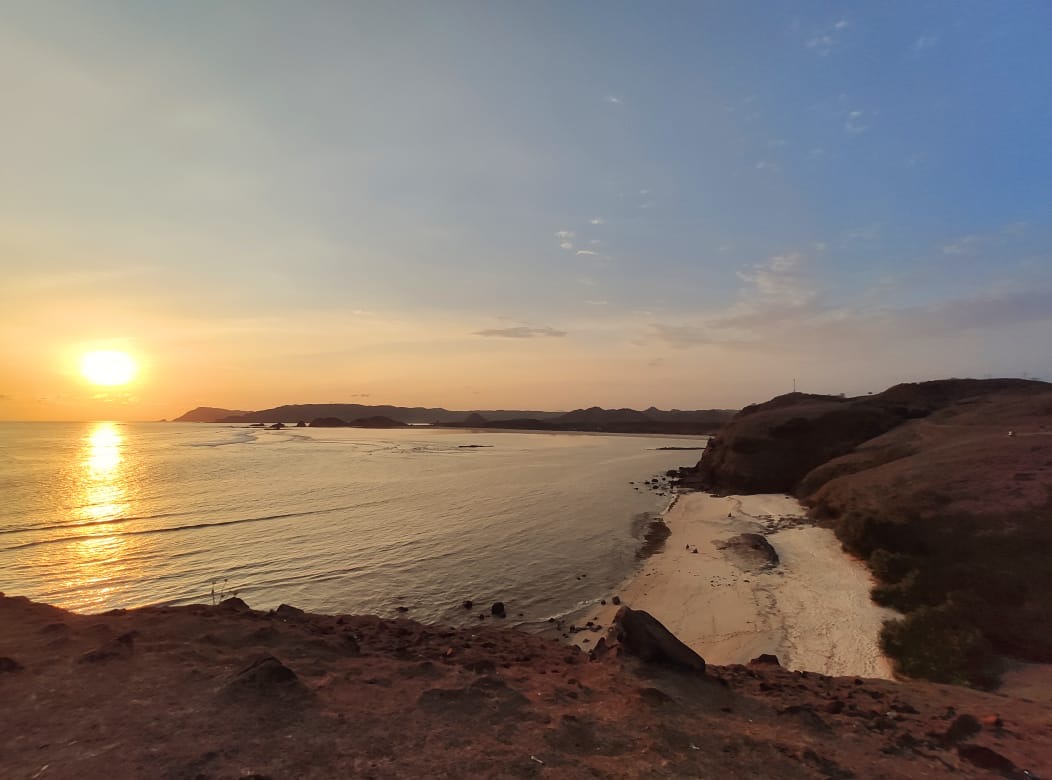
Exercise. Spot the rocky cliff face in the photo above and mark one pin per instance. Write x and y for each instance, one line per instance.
(944, 487)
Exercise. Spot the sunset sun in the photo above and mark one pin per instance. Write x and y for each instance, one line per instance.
(108, 368)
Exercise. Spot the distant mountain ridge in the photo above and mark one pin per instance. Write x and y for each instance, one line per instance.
(653, 420)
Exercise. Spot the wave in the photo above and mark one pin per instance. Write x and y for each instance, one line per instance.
(171, 529)
(88, 523)
(241, 437)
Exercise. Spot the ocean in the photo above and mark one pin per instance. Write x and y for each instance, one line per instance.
(96, 516)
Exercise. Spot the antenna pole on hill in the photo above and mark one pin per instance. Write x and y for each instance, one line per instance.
(794, 385)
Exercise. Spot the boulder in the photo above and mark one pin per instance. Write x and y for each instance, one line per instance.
(288, 612)
(643, 636)
(233, 603)
(766, 658)
(9, 665)
(265, 675)
(497, 610)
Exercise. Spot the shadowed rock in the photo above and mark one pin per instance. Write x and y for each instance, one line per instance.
(643, 636)
(266, 676)
(10, 665)
(288, 612)
(751, 550)
(233, 603)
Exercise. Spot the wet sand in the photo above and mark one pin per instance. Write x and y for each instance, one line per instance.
(811, 609)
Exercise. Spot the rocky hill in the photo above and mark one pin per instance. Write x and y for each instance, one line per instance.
(208, 414)
(702, 421)
(229, 692)
(944, 487)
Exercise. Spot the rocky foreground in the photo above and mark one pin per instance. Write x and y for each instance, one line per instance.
(228, 692)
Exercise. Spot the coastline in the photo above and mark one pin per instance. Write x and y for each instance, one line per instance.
(812, 609)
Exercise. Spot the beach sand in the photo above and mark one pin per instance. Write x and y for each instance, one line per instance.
(812, 609)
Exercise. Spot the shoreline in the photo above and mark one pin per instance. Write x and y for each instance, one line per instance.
(812, 609)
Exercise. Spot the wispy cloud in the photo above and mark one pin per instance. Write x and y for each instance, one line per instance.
(521, 332)
(826, 39)
(564, 234)
(597, 221)
(586, 252)
(924, 43)
(590, 303)
(613, 99)
(857, 122)
(566, 245)
(965, 245)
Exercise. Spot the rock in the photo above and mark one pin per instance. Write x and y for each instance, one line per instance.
(287, 612)
(10, 665)
(616, 600)
(992, 721)
(111, 650)
(963, 727)
(643, 636)
(497, 610)
(233, 603)
(752, 549)
(985, 758)
(467, 604)
(765, 658)
(401, 609)
(266, 675)
(601, 649)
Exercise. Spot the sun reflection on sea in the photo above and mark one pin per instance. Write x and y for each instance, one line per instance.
(102, 482)
(98, 561)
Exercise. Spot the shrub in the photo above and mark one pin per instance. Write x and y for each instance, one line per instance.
(943, 645)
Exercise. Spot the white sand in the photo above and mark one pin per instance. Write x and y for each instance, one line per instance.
(813, 610)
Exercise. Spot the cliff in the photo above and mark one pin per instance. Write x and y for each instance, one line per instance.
(943, 487)
(227, 692)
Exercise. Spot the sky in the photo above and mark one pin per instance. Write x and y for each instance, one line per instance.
(542, 205)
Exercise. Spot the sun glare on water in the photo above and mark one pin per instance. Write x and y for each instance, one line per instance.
(108, 368)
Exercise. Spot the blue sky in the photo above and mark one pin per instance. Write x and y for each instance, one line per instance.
(521, 204)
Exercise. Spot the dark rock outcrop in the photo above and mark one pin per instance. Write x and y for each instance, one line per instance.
(751, 550)
(497, 610)
(644, 637)
(265, 676)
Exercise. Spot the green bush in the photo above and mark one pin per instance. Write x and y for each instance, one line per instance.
(891, 567)
(943, 645)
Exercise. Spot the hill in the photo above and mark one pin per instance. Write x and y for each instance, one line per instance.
(698, 422)
(208, 414)
(944, 488)
(226, 692)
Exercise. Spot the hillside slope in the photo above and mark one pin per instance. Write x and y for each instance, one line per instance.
(944, 487)
(227, 692)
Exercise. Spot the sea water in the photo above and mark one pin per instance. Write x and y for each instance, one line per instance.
(95, 516)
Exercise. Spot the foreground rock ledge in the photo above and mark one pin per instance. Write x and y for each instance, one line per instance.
(210, 692)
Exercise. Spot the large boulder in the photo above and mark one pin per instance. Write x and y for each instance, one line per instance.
(642, 635)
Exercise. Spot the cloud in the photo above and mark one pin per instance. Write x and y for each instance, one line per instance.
(766, 165)
(597, 303)
(597, 221)
(4, 397)
(826, 39)
(566, 245)
(361, 395)
(613, 99)
(594, 242)
(966, 245)
(586, 252)
(564, 234)
(521, 332)
(923, 43)
(856, 122)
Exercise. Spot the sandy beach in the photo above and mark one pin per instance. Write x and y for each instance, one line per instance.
(812, 609)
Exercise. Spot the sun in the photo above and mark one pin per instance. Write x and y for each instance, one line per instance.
(108, 368)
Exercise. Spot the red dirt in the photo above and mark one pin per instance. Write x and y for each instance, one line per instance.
(156, 692)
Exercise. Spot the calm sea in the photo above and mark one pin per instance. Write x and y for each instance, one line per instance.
(101, 515)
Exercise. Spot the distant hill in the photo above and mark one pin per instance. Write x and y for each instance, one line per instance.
(944, 488)
(592, 419)
(208, 414)
(404, 414)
